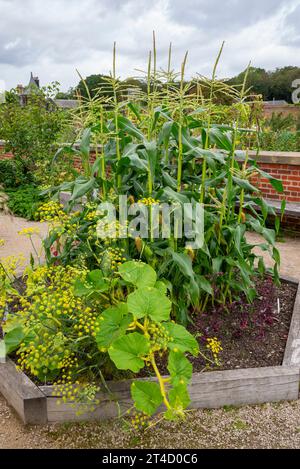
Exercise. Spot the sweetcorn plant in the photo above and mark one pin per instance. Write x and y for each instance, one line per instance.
(170, 144)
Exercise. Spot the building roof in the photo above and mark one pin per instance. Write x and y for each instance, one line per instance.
(34, 82)
(67, 103)
(276, 102)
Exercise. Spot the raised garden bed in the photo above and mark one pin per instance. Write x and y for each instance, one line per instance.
(39, 404)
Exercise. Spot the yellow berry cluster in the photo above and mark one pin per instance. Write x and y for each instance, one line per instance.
(86, 322)
(214, 345)
(111, 230)
(51, 211)
(114, 258)
(44, 354)
(159, 338)
(91, 216)
(139, 421)
(52, 277)
(10, 265)
(148, 201)
(30, 231)
(2, 242)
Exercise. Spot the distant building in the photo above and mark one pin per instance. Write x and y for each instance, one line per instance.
(33, 87)
(67, 103)
(280, 106)
(25, 91)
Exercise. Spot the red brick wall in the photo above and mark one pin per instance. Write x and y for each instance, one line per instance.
(290, 177)
(77, 161)
(284, 109)
(288, 173)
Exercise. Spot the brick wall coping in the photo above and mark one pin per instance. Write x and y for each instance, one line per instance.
(276, 157)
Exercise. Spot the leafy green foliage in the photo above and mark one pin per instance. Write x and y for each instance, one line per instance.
(24, 200)
(147, 396)
(127, 351)
(30, 132)
(131, 298)
(139, 274)
(135, 332)
(13, 174)
(150, 302)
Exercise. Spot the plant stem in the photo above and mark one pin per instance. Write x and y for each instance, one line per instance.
(161, 383)
(116, 112)
(181, 108)
(202, 195)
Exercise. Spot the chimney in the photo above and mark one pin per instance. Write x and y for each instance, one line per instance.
(20, 89)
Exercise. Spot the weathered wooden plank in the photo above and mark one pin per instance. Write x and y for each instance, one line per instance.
(292, 349)
(246, 386)
(22, 394)
(207, 390)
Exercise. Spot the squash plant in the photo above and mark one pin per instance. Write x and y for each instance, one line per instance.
(136, 332)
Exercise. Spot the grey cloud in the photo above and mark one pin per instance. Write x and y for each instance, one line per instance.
(292, 34)
(53, 37)
(216, 15)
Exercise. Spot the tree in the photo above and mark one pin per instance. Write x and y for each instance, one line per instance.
(70, 94)
(258, 79)
(95, 83)
(281, 82)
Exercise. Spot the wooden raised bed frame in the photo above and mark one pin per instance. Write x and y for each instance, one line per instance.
(38, 405)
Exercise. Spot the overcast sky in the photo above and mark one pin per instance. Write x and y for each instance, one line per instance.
(52, 38)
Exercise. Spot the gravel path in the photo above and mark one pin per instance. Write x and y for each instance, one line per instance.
(16, 244)
(264, 426)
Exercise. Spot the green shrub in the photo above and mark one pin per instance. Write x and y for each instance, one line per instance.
(31, 132)
(24, 200)
(280, 141)
(14, 174)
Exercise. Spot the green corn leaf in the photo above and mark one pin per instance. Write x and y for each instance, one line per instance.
(245, 184)
(127, 126)
(282, 208)
(184, 262)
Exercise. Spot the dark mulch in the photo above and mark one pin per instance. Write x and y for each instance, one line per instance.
(252, 335)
